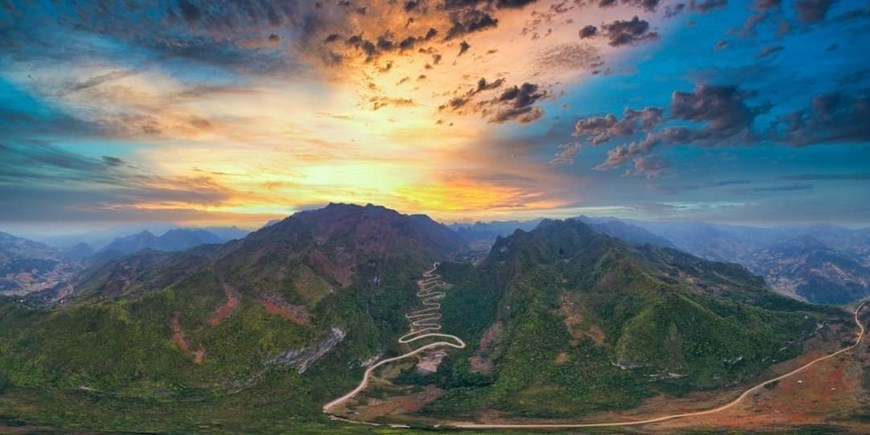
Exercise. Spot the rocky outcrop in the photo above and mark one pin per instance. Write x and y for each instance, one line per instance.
(303, 358)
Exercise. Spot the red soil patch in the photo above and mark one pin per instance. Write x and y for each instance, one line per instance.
(276, 305)
(224, 310)
(180, 340)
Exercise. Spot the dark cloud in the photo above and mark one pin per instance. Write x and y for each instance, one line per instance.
(463, 47)
(483, 85)
(469, 21)
(516, 103)
(113, 161)
(647, 5)
(588, 31)
(599, 130)
(720, 116)
(708, 116)
(674, 10)
(723, 108)
(767, 51)
(513, 3)
(833, 117)
(704, 6)
(381, 102)
(622, 32)
(812, 11)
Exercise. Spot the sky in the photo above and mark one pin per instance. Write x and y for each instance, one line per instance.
(235, 113)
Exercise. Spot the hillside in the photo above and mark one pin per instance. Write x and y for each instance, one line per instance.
(291, 311)
(563, 321)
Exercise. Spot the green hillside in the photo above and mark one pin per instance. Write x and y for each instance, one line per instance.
(589, 323)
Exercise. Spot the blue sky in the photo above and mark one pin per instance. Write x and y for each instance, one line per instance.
(195, 112)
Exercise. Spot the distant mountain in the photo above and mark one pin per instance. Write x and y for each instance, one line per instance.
(487, 232)
(811, 270)
(27, 266)
(173, 240)
(819, 263)
(626, 232)
(228, 233)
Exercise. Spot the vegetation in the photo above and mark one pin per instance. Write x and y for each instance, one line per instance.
(585, 323)
(593, 324)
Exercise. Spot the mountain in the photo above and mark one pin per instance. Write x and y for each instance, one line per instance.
(809, 269)
(293, 310)
(626, 232)
(562, 321)
(486, 232)
(27, 266)
(228, 233)
(258, 332)
(173, 240)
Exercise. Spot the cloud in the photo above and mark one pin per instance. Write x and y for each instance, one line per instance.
(569, 57)
(708, 116)
(812, 11)
(516, 103)
(647, 5)
(601, 129)
(828, 177)
(767, 51)
(704, 6)
(621, 32)
(672, 189)
(782, 188)
(650, 167)
(463, 47)
(469, 21)
(512, 104)
(113, 161)
(833, 117)
(566, 155)
(42, 182)
(588, 31)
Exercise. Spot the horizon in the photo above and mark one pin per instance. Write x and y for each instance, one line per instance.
(182, 114)
(160, 228)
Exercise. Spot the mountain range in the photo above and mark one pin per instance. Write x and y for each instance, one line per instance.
(561, 321)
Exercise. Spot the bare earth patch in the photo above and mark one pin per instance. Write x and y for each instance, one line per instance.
(575, 323)
(224, 310)
(276, 305)
(181, 341)
(481, 361)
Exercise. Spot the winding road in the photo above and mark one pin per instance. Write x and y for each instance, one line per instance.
(427, 320)
(423, 323)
